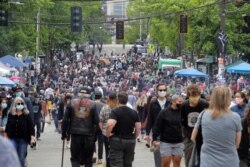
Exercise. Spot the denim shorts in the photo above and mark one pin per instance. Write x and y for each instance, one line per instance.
(169, 149)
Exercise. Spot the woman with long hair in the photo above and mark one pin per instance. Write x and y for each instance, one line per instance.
(140, 107)
(105, 112)
(20, 128)
(221, 131)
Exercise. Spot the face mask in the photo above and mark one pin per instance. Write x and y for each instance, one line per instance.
(178, 106)
(20, 107)
(19, 94)
(162, 93)
(238, 100)
(194, 100)
(4, 105)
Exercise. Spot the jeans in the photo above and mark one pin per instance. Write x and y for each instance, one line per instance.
(21, 147)
(55, 118)
(100, 145)
(122, 152)
(107, 149)
(202, 164)
(82, 148)
(38, 127)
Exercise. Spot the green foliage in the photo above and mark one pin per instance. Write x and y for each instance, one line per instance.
(55, 32)
(204, 24)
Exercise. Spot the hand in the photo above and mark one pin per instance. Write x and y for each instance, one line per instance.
(64, 136)
(155, 143)
(33, 139)
(146, 138)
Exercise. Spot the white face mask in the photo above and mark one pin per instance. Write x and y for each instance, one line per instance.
(20, 107)
(162, 93)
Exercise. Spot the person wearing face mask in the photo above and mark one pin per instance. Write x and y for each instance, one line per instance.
(156, 105)
(190, 110)
(18, 92)
(20, 128)
(240, 103)
(168, 127)
(3, 115)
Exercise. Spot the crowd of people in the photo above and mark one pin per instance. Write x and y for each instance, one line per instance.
(117, 101)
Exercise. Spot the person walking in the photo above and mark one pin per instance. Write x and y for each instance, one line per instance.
(80, 122)
(221, 131)
(20, 128)
(241, 103)
(98, 106)
(105, 112)
(168, 127)
(37, 108)
(63, 103)
(243, 150)
(156, 105)
(123, 127)
(190, 110)
(3, 115)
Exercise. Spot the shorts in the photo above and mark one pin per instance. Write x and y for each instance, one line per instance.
(169, 149)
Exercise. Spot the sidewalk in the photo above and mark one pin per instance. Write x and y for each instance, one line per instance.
(49, 152)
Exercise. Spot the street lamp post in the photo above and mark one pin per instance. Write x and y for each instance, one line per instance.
(37, 37)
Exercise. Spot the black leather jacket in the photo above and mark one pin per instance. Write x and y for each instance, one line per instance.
(80, 118)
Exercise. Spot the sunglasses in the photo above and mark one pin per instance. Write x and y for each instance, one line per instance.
(162, 90)
(20, 104)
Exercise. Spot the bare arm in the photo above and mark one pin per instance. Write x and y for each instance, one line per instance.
(194, 134)
(238, 139)
(137, 129)
(110, 125)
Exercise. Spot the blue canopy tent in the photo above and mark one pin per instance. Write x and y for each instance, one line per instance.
(6, 82)
(240, 68)
(189, 72)
(12, 61)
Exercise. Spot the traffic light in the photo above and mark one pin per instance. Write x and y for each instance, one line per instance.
(183, 24)
(76, 19)
(119, 30)
(3, 17)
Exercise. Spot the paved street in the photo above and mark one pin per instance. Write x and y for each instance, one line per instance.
(49, 151)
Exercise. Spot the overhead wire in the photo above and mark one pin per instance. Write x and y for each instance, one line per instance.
(135, 18)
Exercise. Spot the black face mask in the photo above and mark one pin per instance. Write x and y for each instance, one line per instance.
(178, 106)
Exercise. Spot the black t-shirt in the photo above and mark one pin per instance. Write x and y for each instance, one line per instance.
(189, 115)
(126, 119)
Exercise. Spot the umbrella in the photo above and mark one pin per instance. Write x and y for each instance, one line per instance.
(14, 78)
(6, 82)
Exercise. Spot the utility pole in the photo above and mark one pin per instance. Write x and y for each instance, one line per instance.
(223, 16)
(37, 36)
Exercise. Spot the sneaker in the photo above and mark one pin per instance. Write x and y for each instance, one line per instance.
(68, 146)
(147, 145)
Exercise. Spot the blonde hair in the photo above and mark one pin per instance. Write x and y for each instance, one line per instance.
(142, 101)
(220, 101)
(12, 110)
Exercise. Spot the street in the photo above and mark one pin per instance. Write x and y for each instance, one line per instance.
(49, 152)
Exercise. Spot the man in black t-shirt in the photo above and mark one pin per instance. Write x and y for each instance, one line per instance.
(123, 127)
